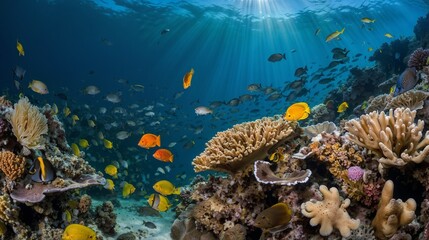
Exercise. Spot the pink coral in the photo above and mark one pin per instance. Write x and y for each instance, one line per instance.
(355, 173)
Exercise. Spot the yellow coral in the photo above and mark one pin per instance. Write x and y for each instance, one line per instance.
(13, 166)
(392, 213)
(395, 138)
(8, 213)
(235, 149)
(28, 124)
(329, 213)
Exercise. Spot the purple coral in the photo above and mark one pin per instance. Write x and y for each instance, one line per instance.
(419, 58)
(355, 173)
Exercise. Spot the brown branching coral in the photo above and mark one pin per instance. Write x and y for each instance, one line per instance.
(235, 149)
(395, 138)
(28, 124)
(12, 166)
(392, 213)
(329, 213)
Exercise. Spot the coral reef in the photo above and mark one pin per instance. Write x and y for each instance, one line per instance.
(421, 30)
(389, 58)
(418, 58)
(392, 213)
(11, 165)
(330, 213)
(395, 138)
(234, 150)
(106, 218)
(28, 124)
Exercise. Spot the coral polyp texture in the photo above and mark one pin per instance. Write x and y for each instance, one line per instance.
(330, 213)
(395, 138)
(235, 149)
(392, 213)
(12, 166)
(28, 124)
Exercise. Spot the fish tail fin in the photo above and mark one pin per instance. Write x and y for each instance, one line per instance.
(177, 190)
(342, 30)
(171, 158)
(29, 85)
(158, 141)
(373, 21)
(284, 56)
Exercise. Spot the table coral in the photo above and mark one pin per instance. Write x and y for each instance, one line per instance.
(28, 124)
(392, 213)
(235, 149)
(13, 166)
(395, 138)
(329, 213)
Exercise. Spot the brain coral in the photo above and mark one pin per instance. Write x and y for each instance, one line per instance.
(235, 149)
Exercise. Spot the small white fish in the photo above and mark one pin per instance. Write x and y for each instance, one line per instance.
(172, 144)
(154, 123)
(131, 123)
(203, 110)
(91, 90)
(148, 108)
(150, 114)
(102, 110)
(114, 97)
(38, 87)
(167, 168)
(123, 135)
(160, 105)
(124, 163)
(159, 169)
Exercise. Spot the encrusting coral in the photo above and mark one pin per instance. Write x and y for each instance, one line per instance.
(329, 213)
(392, 213)
(28, 124)
(13, 166)
(235, 149)
(395, 138)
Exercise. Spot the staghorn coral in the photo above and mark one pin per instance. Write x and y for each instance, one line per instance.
(235, 149)
(28, 124)
(395, 138)
(329, 213)
(413, 99)
(418, 58)
(12, 166)
(392, 213)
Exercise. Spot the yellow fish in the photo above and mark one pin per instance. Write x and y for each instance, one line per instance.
(159, 202)
(188, 78)
(165, 188)
(367, 20)
(54, 109)
(91, 123)
(370, 49)
(74, 119)
(365, 103)
(427, 61)
(107, 144)
(78, 232)
(297, 111)
(112, 170)
(66, 111)
(38, 87)
(127, 190)
(392, 89)
(388, 35)
(83, 143)
(67, 217)
(110, 185)
(342, 107)
(334, 35)
(75, 149)
(100, 135)
(20, 48)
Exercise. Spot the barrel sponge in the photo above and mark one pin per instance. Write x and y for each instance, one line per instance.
(329, 213)
(13, 166)
(235, 149)
(28, 124)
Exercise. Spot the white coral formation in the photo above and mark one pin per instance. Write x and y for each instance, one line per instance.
(28, 124)
(395, 138)
(330, 213)
(235, 149)
(391, 213)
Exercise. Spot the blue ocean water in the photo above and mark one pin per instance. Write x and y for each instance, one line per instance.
(115, 45)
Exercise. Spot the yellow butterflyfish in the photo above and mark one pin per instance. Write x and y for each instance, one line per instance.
(83, 143)
(107, 144)
(66, 111)
(78, 231)
(342, 107)
(20, 48)
(334, 35)
(165, 188)
(75, 149)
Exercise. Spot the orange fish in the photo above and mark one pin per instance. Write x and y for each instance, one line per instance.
(163, 155)
(149, 140)
(188, 78)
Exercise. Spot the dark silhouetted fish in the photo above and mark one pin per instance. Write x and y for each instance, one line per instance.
(326, 80)
(406, 81)
(301, 71)
(276, 57)
(297, 84)
(274, 96)
(165, 31)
